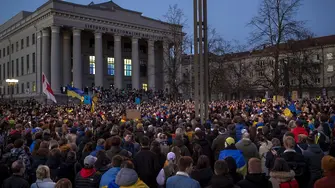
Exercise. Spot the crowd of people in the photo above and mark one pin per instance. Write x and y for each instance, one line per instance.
(245, 144)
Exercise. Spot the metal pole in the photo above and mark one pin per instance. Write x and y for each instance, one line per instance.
(206, 66)
(196, 60)
(201, 62)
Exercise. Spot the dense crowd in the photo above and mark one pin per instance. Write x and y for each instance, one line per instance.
(246, 144)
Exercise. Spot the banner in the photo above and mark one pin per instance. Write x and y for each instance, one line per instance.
(133, 114)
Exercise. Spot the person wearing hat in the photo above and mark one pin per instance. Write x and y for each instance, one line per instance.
(88, 177)
(328, 166)
(169, 170)
(231, 150)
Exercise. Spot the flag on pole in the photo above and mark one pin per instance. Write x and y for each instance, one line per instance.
(47, 89)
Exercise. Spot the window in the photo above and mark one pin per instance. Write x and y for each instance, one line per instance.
(292, 82)
(110, 65)
(127, 67)
(22, 43)
(0, 72)
(317, 69)
(17, 46)
(8, 66)
(33, 39)
(17, 89)
(330, 68)
(91, 43)
(4, 52)
(0, 53)
(22, 88)
(22, 66)
(260, 73)
(143, 68)
(12, 48)
(28, 85)
(330, 80)
(7, 50)
(92, 64)
(110, 45)
(281, 83)
(4, 71)
(317, 80)
(33, 86)
(317, 57)
(17, 67)
(12, 68)
(27, 62)
(145, 87)
(27, 41)
(34, 63)
(329, 56)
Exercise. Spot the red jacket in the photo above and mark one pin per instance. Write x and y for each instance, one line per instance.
(326, 182)
(291, 184)
(299, 130)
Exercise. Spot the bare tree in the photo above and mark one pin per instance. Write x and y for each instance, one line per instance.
(274, 25)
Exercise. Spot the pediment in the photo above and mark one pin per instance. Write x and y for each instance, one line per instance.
(107, 5)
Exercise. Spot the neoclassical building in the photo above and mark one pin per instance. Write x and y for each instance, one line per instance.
(84, 45)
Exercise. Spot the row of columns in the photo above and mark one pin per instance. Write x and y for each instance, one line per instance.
(51, 62)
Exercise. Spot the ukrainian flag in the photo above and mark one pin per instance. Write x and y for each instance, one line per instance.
(74, 92)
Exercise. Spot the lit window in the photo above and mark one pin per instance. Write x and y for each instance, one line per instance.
(329, 56)
(145, 87)
(127, 67)
(34, 87)
(110, 64)
(92, 64)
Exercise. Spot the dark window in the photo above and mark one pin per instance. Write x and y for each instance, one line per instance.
(22, 43)
(22, 88)
(91, 43)
(110, 45)
(4, 71)
(34, 63)
(7, 50)
(0, 53)
(143, 49)
(27, 62)
(143, 69)
(17, 67)
(17, 89)
(129, 86)
(12, 48)
(8, 66)
(17, 46)
(0, 72)
(27, 41)
(4, 52)
(33, 38)
(28, 85)
(22, 66)
(12, 68)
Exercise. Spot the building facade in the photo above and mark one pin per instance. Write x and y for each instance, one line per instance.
(84, 45)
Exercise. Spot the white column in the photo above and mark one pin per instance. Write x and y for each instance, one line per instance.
(135, 74)
(77, 65)
(55, 60)
(99, 73)
(66, 58)
(38, 62)
(151, 64)
(45, 52)
(119, 69)
(166, 65)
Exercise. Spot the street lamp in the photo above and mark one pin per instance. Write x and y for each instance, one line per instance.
(11, 83)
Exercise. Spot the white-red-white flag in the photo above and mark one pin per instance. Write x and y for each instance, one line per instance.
(47, 88)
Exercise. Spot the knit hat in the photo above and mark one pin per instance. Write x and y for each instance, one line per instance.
(328, 163)
(230, 141)
(170, 156)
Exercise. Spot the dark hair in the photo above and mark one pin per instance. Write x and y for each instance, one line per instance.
(156, 147)
(71, 156)
(203, 162)
(63, 183)
(221, 167)
(145, 141)
(102, 160)
(36, 146)
(62, 142)
(281, 165)
(88, 147)
(38, 135)
(88, 134)
(184, 162)
(197, 152)
(55, 153)
(128, 164)
(18, 143)
(115, 141)
(231, 164)
(117, 161)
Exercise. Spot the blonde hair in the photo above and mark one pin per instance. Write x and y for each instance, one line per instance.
(289, 142)
(42, 172)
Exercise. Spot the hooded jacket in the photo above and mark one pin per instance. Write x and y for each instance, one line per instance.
(127, 177)
(108, 178)
(222, 181)
(248, 149)
(283, 179)
(87, 178)
(314, 155)
(239, 159)
(255, 181)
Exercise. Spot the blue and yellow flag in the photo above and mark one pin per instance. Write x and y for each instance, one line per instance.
(74, 92)
(92, 107)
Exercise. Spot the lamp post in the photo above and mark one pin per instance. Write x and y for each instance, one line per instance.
(11, 83)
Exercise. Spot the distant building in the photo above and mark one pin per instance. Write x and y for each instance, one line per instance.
(84, 45)
(308, 64)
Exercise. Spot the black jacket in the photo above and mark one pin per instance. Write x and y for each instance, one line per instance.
(297, 163)
(16, 181)
(203, 176)
(314, 155)
(117, 151)
(222, 181)
(87, 180)
(147, 166)
(255, 181)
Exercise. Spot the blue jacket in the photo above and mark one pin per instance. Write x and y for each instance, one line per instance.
(239, 159)
(180, 181)
(97, 149)
(32, 146)
(238, 129)
(108, 178)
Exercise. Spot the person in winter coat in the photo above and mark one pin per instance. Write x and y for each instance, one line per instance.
(108, 178)
(219, 142)
(182, 178)
(155, 148)
(328, 166)
(281, 176)
(113, 147)
(128, 178)
(239, 126)
(147, 164)
(299, 129)
(16, 180)
(100, 146)
(43, 178)
(200, 138)
(19, 153)
(54, 162)
(88, 177)
(232, 151)
(103, 162)
(232, 170)
(202, 172)
(255, 178)
(265, 147)
(313, 155)
(179, 142)
(70, 167)
(167, 171)
(221, 177)
(247, 147)
(271, 155)
(40, 158)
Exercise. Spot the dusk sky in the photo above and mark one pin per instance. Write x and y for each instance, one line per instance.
(229, 17)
